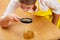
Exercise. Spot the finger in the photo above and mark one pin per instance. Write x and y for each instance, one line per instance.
(16, 19)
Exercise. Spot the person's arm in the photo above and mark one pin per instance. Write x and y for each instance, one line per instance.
(54, 5)
(12, 6)
(9, 15)
(55, 18)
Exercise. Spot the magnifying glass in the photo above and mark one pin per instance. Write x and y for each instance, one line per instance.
(26, 20)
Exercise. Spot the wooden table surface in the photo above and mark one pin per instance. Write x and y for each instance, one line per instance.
(41, 27)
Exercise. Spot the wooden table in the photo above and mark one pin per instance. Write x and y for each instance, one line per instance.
(42, 28)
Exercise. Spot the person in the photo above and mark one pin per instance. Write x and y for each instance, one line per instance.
(45, 6)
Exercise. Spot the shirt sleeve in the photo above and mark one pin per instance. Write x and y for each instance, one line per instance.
(43, 7)
(12, 6)
(54, 5)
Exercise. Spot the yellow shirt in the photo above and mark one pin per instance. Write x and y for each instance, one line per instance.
(39, 12)
(42, 13)
(47, 14)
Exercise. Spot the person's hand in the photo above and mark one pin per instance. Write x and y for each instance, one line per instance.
(5, 19)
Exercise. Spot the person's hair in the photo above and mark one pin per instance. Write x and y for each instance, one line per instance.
(28, 2)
